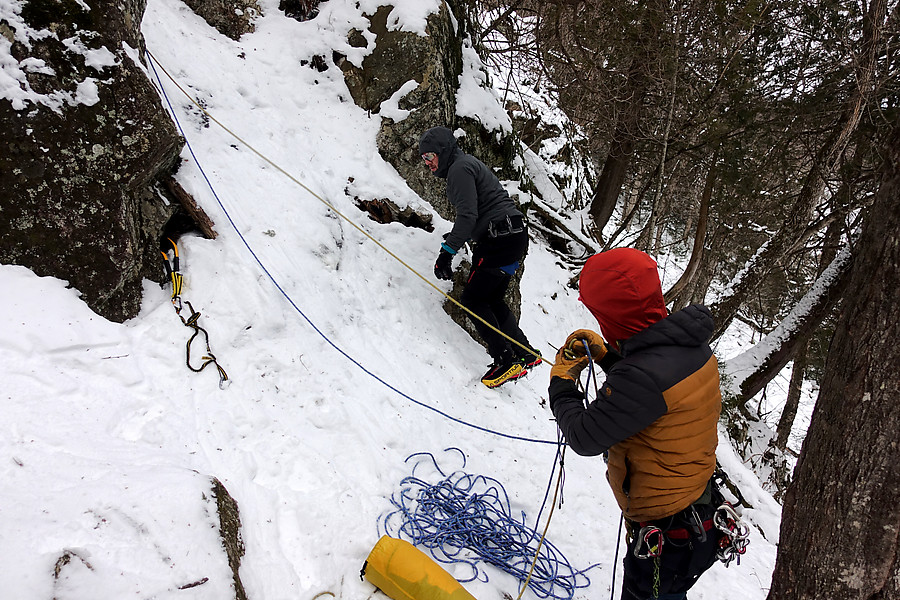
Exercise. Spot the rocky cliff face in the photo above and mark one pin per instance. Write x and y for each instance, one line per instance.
(85, 142)
(434, 62)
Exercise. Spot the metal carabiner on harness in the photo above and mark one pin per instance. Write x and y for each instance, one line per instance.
(697, 525)
(736, 534)
(651, 539)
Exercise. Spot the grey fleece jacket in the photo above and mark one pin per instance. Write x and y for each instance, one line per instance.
(472, 188)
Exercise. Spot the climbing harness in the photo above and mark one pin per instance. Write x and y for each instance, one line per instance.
(466, 518)
(736, 534)
(173, 273)
(734, 541)
(507, 226)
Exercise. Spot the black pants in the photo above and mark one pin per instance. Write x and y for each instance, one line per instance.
(680, 563)
(485, 291)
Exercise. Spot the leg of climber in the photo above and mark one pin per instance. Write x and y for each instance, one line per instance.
(528, 357)
(481, 294)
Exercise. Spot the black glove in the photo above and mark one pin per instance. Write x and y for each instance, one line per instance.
(443, 266)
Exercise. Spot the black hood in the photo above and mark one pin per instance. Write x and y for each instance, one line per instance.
(439, 140)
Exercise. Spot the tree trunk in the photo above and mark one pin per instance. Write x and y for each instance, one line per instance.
(798, 373)
(796, 329)
(792, 404)
(840, 533)
(610, 183)
(674, 295)
(629, 118)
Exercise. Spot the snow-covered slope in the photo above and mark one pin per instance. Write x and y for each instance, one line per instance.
(341, 361)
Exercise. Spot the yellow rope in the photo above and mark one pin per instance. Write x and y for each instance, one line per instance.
(537, 552)
(336, 211)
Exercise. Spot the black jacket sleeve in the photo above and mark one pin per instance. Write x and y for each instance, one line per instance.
(629, 401)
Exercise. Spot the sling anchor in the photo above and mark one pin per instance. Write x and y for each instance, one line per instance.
(173, 273)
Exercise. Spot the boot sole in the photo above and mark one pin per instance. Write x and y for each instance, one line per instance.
(493, 383)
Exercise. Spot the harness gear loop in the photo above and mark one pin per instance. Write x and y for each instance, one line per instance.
(736, 534)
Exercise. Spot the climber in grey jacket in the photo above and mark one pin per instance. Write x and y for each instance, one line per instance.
(486, 216)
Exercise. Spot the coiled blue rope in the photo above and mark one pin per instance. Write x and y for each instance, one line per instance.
(464, 518)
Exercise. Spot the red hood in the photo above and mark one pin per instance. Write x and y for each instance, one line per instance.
(621, 288)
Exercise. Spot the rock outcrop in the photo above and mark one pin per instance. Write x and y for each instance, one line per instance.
(434, 62)
(301, 10)
(86, 143)
(230, 531)
(232, 18)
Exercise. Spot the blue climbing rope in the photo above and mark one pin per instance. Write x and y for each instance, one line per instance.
(162, 88)
(464, 518)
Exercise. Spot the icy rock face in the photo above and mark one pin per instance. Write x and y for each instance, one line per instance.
(232, 18)
(85, 141)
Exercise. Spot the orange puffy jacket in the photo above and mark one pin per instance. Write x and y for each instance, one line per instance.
(658, 409)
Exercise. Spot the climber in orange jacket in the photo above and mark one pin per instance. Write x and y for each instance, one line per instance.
(655, 416)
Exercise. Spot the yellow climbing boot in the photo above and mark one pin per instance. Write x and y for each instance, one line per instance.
(501, 372)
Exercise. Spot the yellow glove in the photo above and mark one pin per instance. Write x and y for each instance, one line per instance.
(575, 344)
(568, 365)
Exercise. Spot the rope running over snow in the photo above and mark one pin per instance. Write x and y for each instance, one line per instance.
(152, 59)
(152, 62)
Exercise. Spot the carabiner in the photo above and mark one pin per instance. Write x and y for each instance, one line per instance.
(729, 522)
(651, 538)
(736, 534)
